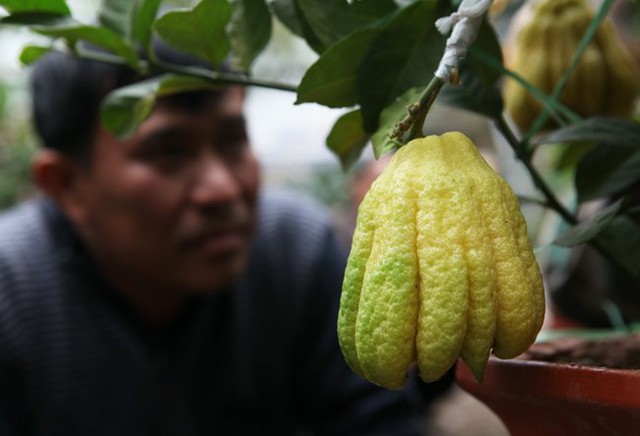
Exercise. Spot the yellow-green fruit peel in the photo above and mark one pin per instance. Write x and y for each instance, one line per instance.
(441, 267)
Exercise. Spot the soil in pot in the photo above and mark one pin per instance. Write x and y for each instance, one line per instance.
(620, 351)
(565, 386)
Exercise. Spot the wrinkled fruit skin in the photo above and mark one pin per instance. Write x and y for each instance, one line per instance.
(604, 82)
(440, 267)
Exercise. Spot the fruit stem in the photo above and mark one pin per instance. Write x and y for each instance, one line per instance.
(521, 150)
(416, 113)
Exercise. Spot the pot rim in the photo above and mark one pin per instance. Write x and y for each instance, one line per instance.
(555, 380)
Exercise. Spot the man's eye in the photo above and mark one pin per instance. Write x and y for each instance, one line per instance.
(167, 157)
(166, 152)
(173, 151)
(232, 141)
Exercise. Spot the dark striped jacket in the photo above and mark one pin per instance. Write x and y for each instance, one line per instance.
(261, 358)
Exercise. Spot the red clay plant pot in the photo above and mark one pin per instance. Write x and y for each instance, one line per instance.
(541, 398)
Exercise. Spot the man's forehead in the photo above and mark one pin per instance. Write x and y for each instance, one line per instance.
(224, 110)
(216, 100)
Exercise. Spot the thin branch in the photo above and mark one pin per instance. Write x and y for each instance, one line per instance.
(221, 78)
(538, 181)
(531, 200)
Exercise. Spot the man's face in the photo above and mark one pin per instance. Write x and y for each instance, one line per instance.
(173, 207)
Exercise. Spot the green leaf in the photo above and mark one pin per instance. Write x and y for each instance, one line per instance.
(58, 7)
(331, 20)
(620, 241)
(286, 11)
(374, 8)
(250, 31)
(347, 139)
(615, 234)
(32, 53)
(588, 230)
(486, 44)
(391, 115)
(291, 15)
(613, 131)
(130, 19)
(116, 15)
(404, 55)
(608, 167)
(177, 83)
(322, 24)
(473, 94)
(37, 19)
(199, 31)
(332, 80)
(100, 36)
(607, 170)
(145, 15)
(125, 108)
(571, 155)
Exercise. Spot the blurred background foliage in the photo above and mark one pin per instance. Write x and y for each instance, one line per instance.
(284, 153)
(291, 147)
(17, 145)
(290, 141)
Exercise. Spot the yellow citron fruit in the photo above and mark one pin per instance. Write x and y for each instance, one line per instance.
(441, 267)
(540, 48)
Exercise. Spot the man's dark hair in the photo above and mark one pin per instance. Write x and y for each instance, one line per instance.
(67, 93)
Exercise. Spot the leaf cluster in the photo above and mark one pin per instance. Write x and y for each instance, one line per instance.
(374, 58)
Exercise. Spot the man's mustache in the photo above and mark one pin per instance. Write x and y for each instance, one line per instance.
(218, 222)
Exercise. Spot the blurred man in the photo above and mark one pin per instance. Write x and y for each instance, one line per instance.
(155, 289)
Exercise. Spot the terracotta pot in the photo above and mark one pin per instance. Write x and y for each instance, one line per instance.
(539, 398)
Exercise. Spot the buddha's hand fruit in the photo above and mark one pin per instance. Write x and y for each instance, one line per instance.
(440, 267)
(541, 47)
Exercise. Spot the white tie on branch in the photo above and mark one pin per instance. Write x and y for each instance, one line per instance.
(465, 22)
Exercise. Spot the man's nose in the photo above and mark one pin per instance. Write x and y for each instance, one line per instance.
(215, 181)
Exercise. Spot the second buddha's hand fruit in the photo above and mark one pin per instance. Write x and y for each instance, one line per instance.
(605, 78)
(440, 267)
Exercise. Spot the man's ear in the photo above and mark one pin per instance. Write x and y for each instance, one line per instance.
(60, 177)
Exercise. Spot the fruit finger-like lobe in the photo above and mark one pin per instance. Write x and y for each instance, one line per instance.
(529, 261)
(376, 323)
(481, 319)
(443, 283)
(385, 328)
(518, 286)
(519, 103)
(361, 246)
(622, 72)
(590, 74)
(515, 288)
(352, 283)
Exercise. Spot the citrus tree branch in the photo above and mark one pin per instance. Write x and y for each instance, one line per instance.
(518, 147)
(221, 78)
